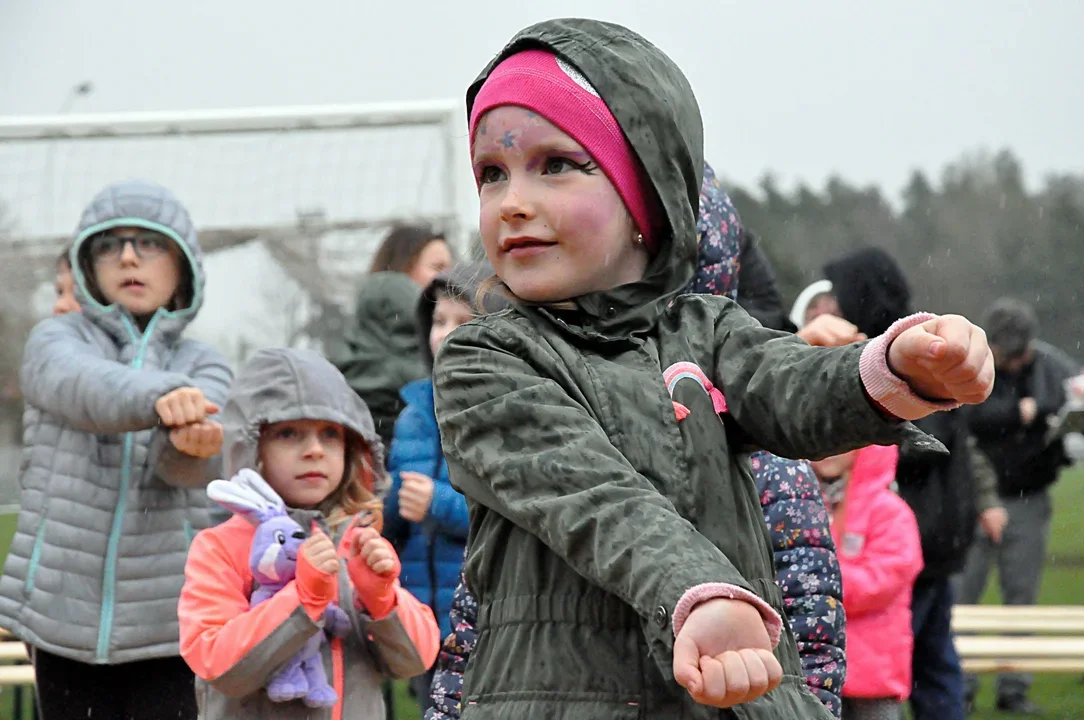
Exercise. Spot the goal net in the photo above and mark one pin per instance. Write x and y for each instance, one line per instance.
(290, 203)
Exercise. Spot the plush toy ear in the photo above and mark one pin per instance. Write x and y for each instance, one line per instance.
(248, 495)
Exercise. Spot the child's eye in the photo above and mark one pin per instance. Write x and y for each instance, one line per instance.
(285, 433)
(490, 174)
(557, 165)
(331, 433)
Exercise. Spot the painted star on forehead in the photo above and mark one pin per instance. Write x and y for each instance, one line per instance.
(508, 139)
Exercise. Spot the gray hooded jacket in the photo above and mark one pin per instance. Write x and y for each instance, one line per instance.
(109, 506)
(277, 385)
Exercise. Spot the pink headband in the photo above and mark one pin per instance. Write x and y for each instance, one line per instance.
(541, 82)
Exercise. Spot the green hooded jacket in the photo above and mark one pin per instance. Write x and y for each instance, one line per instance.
(382, 352)
(592, 508)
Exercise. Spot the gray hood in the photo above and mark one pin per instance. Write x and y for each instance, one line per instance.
(137, 203)
(279, 384)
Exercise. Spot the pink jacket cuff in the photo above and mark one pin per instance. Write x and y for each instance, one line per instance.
(887, 389)
(711, 591)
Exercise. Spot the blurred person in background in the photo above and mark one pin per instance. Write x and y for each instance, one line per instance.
(417, 251)
(1011, 428)
(425, 518)
(381, 353)
(119, 443)
(64, 285)
(880, 555)
(948, 493)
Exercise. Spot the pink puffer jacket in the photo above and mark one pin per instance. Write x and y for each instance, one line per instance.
(880, 555)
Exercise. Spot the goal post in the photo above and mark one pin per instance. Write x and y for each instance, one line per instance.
(290, 204)
(344, 172)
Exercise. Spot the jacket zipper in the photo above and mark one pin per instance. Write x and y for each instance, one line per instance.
(35, 553)
(109, 579)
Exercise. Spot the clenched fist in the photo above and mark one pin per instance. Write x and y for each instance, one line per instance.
(723, 656)
(184, 406)
(320, 552)
(374, 569)
(830, 331)
(415, 496)
(945, 358)
(202, 439)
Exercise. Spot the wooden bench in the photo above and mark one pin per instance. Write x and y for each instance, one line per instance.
(13, 651)
(989, 638)
(1035, 638)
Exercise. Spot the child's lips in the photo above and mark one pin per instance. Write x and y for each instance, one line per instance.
(312, 476)
(525, 246)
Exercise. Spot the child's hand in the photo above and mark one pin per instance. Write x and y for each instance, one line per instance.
(369, 550)
(415, 496)
(723, 657)
(317, 570)
(373, 567)
(993, 522)
(184, 406)
(320, 553)
(202, 439)
(945, 358)
(830, 331)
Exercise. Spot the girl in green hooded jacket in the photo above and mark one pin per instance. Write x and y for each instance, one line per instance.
(600, 427)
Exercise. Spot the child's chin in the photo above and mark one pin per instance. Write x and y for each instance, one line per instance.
(306, 497)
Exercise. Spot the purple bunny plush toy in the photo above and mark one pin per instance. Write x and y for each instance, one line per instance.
(273, 561)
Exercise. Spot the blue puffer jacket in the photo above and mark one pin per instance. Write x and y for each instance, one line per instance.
(431, 551)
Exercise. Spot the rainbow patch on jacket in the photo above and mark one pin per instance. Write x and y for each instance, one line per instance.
(683, 370)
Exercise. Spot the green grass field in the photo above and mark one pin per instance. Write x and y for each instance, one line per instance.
(1062, 696)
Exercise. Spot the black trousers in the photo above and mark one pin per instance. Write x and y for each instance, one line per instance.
(162, 689)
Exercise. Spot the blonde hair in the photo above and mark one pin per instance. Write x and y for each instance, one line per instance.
(355, 494)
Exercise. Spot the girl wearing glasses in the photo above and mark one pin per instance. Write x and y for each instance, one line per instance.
(119, 442)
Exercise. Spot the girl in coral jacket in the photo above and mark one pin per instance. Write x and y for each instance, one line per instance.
(292, 419)
(880, 555)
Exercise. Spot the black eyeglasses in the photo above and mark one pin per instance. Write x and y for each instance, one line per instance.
(108, 248)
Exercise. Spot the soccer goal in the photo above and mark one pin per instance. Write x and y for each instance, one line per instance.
(317, 186)
(290, 203)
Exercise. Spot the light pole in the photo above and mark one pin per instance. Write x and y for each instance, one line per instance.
(81, 90)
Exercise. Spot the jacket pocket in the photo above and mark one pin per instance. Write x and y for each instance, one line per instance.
(35, 552)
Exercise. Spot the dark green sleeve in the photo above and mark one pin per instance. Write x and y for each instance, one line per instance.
(518, 444)
(795, 400)
(986, 496)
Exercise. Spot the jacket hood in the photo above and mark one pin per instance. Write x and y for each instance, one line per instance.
(719, 234)
(874, 469)
(281, 384)
(384, 317)
(873, 473)
(805, 298)
(463, 281)
(655, 106)
(870, 288)
(138, 203)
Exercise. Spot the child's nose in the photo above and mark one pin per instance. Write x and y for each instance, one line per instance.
(128, 254)
(515, 204)
(314, 447)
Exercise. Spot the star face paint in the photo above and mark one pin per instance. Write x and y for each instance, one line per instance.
(552, 223)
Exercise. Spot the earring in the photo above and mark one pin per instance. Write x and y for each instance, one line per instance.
(639, 239)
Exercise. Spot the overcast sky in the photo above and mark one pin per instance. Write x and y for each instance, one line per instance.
(866, 89)
(869, 90)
